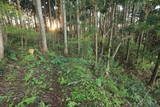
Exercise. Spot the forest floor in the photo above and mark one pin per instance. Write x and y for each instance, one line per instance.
(17, 89)
(49, 80)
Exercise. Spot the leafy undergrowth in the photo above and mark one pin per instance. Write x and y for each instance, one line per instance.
(87, 86)
(28, 81)
(55, 81)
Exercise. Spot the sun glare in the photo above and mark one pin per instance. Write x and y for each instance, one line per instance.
(54, 25)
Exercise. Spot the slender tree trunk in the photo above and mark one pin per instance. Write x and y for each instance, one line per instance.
(128, 48)
(35, 22)
(5, 39)
(128, 42)
(3, 23)
(19, 8)
(45, 23)
(144, 47)
(142, 35)
(96, 33)
(124, 19)
(1, 44)
(42, 25)
(139, 45)
(21, 22)
(65, 28)
(78, 27)
(101, 27)
(155, 71)
(50, 12)
(9, 20)
(110, 38)
(116, 51)
(104, 34)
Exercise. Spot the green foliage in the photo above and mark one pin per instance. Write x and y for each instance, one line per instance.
(29, 34)
(153, 22)
(144, 65)
(7, 9)
(26, 101)
(11, 54)
(29, 77)
(83, 86)
(42, 104)
(28, 59)
(134, 90)
(72, 104)
(88, 88)
(87, 50)
(4, 98)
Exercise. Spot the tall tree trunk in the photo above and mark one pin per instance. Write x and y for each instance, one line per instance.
(147, 11)
(35, 22)
(45, 23)
(139, 45)
(155, 71)
(65, 28)
(124, 18)
(116, 51)
(21, 21)
(19, 9)
(3, 23)
(1, 44)
(128, 42)
(42, 25)
(96, 33)
(104, 34)
(144, 47)
(110, 37)
(50, 12)
(9, 20)
(78, 27)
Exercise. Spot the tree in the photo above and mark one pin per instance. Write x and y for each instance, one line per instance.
(111, 35)
(50, 13)
(128, 42)
(155, 71)
(78, 26)
(38, 6)
(1, 44)
(19, 9)
(65, 27)
(96, 32)
(153, 21)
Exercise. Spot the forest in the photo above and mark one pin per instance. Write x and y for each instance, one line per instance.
(79, 53)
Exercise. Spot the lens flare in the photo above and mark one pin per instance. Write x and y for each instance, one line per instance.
(54, 25)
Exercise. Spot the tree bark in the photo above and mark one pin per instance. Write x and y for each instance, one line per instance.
(21, 22)
(1, 44)
(35, 23)
(155, 71)
(139, 45)
(19, 9)
(78, 27)
(65, 28)
(116, 51)
(50, 12)
(96, 33)
(110, 37)
(128, 42)
(42, 25)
